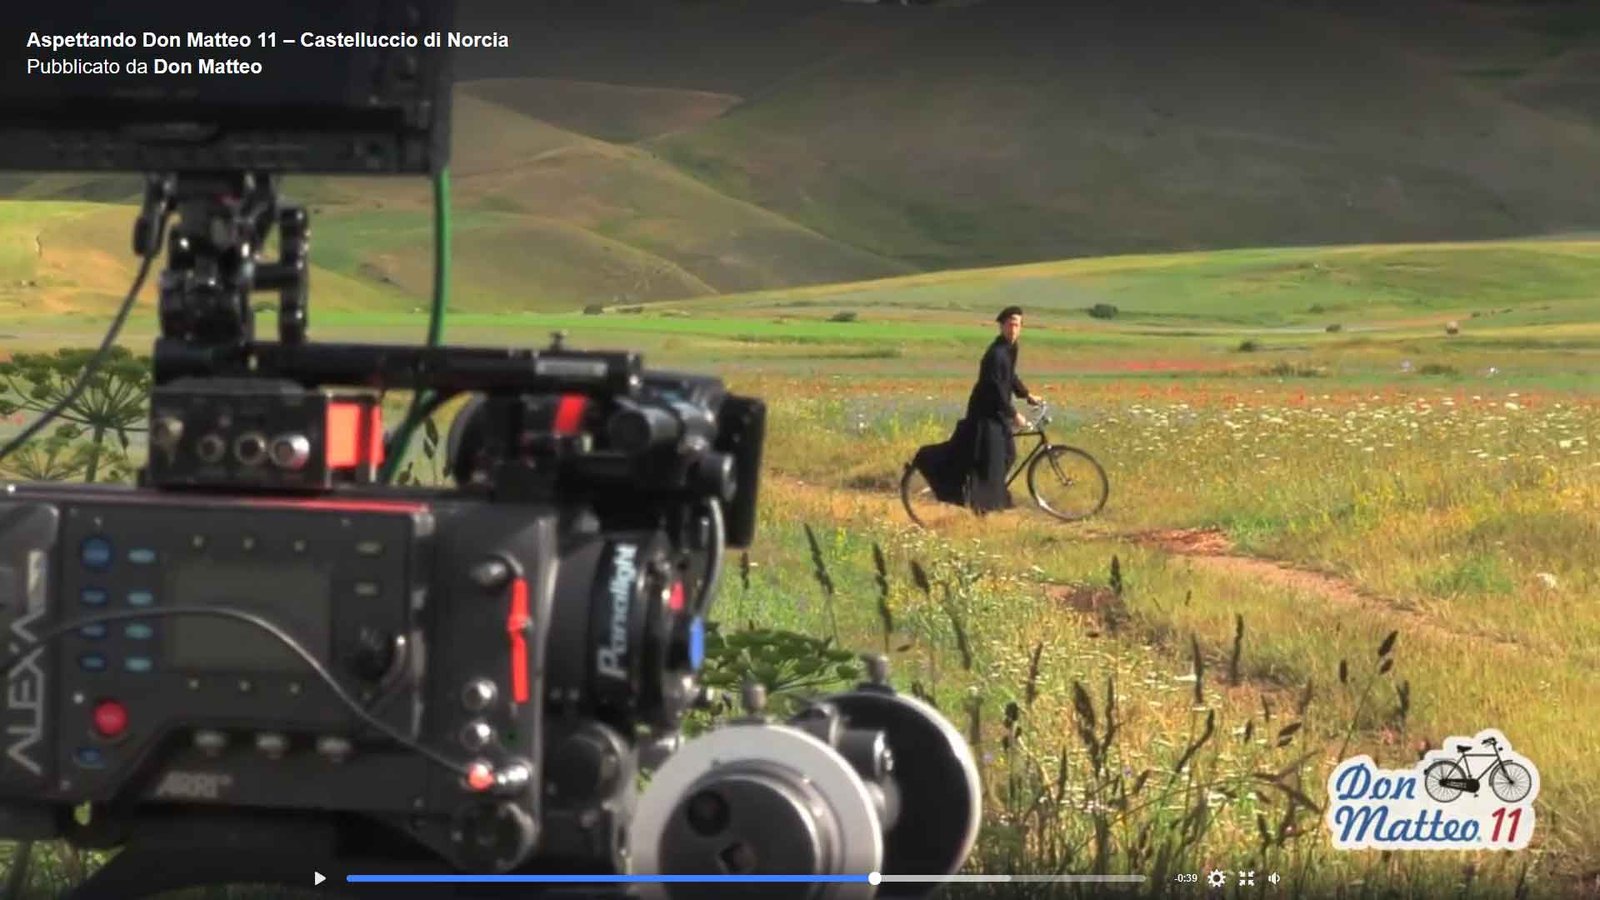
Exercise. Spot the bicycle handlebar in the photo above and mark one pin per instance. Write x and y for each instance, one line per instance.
(1042, 417)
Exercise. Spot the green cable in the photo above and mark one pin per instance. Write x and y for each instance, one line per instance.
(441, 293)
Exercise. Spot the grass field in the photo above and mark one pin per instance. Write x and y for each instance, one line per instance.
(1284, 497)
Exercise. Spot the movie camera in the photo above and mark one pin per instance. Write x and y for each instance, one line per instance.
(266, 657)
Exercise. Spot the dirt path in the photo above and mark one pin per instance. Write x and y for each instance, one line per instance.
(1205, 548)
(1210, 549)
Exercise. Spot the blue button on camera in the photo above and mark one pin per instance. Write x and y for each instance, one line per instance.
(138, 664)
(139, 631)
(92, 662)
(93, 597)
(90, 757)
(141, 598)
(96, 553)
(93, 631)
(141, 556)
(697, 642)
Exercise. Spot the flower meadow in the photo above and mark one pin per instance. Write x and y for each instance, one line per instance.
(1462, 521)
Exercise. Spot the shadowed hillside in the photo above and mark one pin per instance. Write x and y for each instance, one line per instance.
(975, 138)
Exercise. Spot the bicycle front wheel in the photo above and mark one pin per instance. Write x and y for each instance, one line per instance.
(1067, 483)
(1511, 781)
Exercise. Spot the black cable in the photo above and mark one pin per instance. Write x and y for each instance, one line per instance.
(719, 549)
(10, 662)
(99, 356)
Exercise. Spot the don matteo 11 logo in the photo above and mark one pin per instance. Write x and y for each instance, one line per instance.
(1471, 794)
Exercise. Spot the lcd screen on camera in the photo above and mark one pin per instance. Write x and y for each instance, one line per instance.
(294, 85)
(294, 597)
(158, 53)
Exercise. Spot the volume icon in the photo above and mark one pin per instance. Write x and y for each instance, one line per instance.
(1273, 878)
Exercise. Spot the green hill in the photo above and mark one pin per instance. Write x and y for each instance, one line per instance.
(543, 218)
(1361, 288)
(970, 138)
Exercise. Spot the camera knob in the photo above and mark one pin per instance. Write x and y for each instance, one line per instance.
(291, 451)
(476, 735)
(166, 431)
(714, 476)
(478, 694)
(250, 448)
(372, 655)
(211, 448)
(494, 837)
(583, 769)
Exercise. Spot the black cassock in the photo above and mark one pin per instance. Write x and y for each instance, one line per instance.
(970, 467)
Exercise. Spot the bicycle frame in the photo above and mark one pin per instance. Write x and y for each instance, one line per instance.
(1023, 459)
(1467, 768)
(1042, 449)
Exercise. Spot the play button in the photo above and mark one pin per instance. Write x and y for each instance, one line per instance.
(318, 878)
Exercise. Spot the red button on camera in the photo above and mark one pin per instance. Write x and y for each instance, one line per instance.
(480, 777)
(110, 718)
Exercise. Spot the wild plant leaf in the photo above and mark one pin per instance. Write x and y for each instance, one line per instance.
(1388, 643)
(1287, 733)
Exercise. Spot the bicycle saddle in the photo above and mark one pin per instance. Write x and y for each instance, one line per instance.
(1463, 748)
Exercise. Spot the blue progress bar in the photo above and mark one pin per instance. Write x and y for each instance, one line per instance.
(607, 879)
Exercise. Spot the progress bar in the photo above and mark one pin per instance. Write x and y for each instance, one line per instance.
(1014, 879)
(869, 878)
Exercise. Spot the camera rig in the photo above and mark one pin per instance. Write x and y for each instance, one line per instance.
(264, 659)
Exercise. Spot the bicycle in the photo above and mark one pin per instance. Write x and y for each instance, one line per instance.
(1446, 779)
(1047, 465)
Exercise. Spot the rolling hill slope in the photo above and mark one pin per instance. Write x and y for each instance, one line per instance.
(543, 218)
(975, 139)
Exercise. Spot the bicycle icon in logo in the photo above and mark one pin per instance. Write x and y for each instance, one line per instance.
(1446, 779)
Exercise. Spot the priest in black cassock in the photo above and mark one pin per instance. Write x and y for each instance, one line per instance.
(971, 467)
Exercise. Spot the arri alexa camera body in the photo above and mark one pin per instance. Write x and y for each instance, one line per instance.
(265, 659)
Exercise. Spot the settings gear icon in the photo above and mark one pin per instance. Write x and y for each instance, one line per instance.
(1217, 878)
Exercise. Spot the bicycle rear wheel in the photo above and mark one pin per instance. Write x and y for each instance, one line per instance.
(924, 508)
(1435, 776)
(1068, 483)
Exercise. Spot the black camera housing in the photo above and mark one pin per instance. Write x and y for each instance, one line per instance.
(508, 635)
